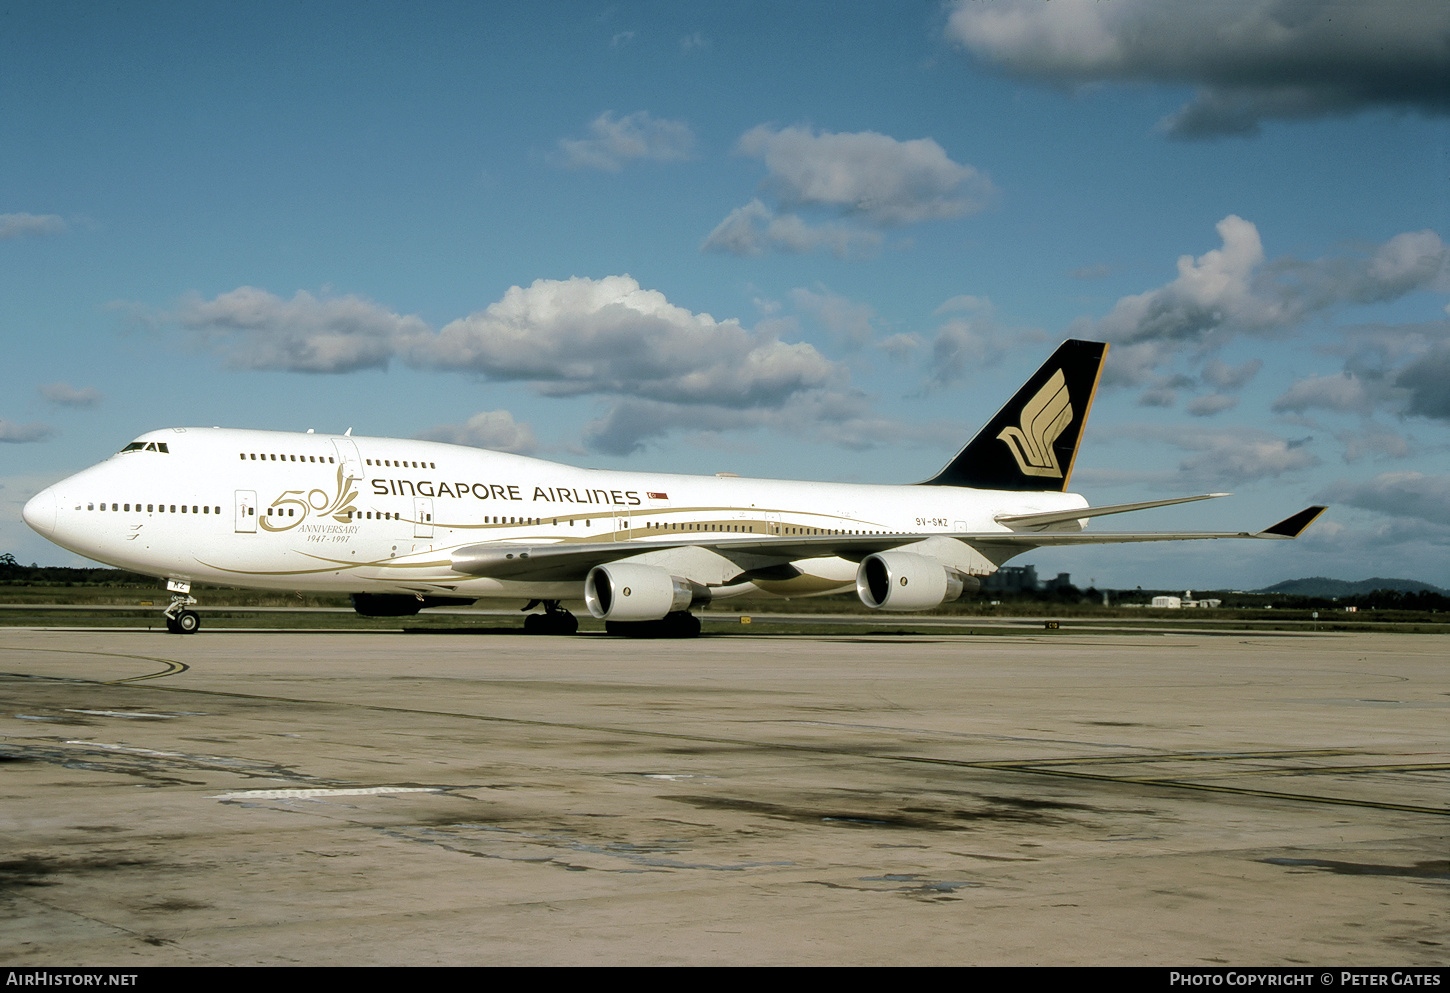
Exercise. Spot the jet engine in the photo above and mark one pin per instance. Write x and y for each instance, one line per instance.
(907, 581)
(628, 591)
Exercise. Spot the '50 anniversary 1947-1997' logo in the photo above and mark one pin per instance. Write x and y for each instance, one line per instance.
(339, 507)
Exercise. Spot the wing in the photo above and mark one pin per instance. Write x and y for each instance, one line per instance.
(1287, 529)
(547, 563)
(1018, 522)
(565, 562)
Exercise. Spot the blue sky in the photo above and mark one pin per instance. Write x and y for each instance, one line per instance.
(810, 240)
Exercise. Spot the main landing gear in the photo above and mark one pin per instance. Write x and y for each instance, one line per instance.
(554, 620)
(179, 620)
(676, 624)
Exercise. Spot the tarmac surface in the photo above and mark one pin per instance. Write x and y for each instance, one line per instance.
(1051, 799)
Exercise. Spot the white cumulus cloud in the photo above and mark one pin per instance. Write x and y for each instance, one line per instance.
(1399, 494)
(755, 229)
(1226, 457)
(1235, 290)
(493, 429)
(847, 321)
(839, 191)
(68, 396)
(657, 366)
(614, 141)
(30, 225)
(1374, 441)
(888, 182)
(589, 336)
(1339, 392)
(962, 346)
(257, 330)
(17, 434)
(1212, 403)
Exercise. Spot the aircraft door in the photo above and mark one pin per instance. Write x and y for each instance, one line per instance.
(422, 517)
(246, 512)
(352, 464)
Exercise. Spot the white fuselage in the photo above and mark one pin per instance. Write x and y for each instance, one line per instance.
(347, 514)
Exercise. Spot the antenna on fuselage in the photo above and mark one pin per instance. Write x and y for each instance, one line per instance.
(347, 433)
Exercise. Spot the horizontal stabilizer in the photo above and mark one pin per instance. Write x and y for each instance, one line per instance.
(1294, 526)
(1023, 521)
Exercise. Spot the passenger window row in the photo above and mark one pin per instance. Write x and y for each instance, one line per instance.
(153, 508)
(273, 457)
(378, 515)
(396, 464)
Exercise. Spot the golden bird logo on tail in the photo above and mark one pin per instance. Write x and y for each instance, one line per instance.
(1044, 417)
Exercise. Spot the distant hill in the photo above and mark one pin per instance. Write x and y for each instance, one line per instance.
(1322, 587)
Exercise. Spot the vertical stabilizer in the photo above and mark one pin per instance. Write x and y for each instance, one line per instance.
(1032, 442)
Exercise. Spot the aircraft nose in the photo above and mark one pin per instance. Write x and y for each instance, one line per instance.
(39, 512)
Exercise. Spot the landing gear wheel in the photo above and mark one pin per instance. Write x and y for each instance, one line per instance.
(678, 624)
(683, 624)
(554, 620)
(179, 620)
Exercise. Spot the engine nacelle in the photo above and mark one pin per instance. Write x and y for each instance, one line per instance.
(628, 591)
(907, 581)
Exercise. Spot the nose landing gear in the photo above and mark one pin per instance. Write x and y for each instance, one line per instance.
(179, 620)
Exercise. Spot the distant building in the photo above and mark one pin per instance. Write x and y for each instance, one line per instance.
(1186, 601)
(1012, 579)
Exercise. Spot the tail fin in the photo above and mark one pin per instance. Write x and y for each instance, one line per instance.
(1032, 442)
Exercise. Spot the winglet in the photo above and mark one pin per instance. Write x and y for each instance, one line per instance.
(1294, 525)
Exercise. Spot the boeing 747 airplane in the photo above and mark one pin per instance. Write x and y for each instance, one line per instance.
(403, 525)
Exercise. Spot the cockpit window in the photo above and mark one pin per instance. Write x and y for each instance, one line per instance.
(147, 446)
